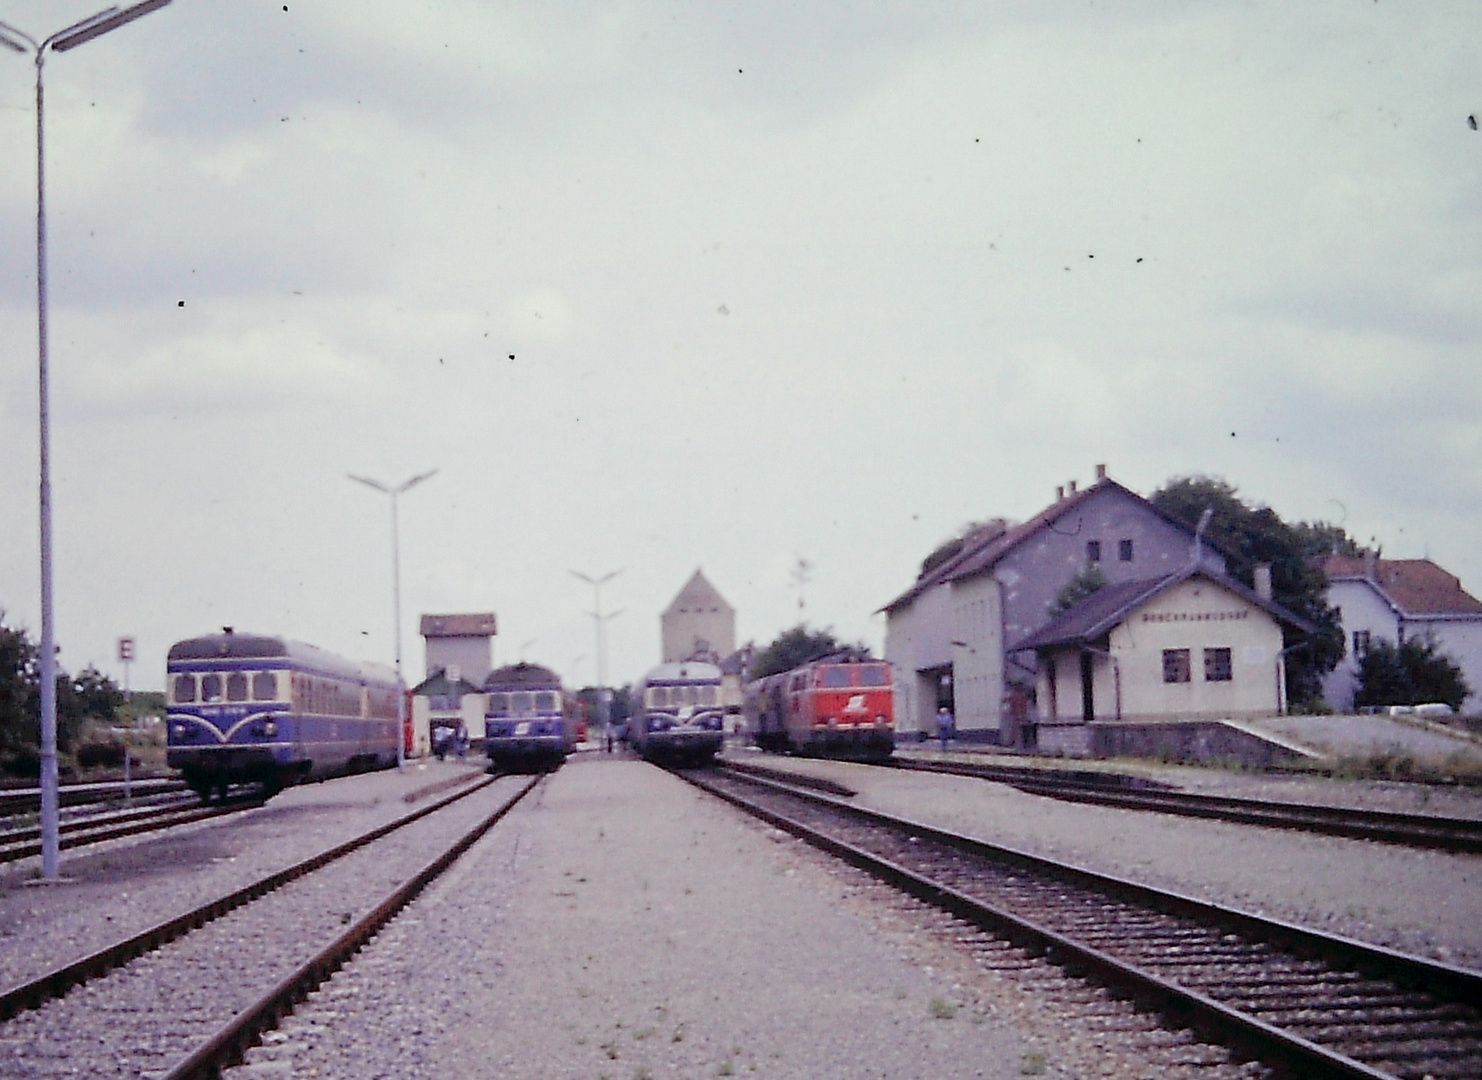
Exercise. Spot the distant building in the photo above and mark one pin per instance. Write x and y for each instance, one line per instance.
(1396, 600)
(1190, 645)
(698, 624)
(445, 700)
(947, 637)
(460, 645)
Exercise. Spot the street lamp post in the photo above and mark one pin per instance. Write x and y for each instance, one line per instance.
(601, 629)
(77, 34)
(401, 696)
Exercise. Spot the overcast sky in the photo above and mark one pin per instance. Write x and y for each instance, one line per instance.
(658, 286)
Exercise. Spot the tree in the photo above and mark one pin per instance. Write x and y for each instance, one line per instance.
(1085, 583)
(1414, 672)
(91, 696)
(1252, 534)
(970, 533)
(798, 646)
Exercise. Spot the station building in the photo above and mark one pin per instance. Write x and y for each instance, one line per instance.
(1397, 600)
(949, 636)
(1188, 646)
(461, 642)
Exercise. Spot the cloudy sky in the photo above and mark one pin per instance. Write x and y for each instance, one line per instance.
(665, 285)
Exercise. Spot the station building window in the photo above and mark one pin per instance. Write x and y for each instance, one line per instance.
(1217, 666)
(1124, 550)
(1093, 551)
(1360, 644)
(1175, 665)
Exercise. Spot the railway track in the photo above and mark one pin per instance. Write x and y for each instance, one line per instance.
(1293, 1001)
(167, 813)
(189, 996)
(1134, 793)
(16, 801)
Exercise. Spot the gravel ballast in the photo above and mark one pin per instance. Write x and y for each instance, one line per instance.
(1419, 901)
(621, 924)
(114, 890)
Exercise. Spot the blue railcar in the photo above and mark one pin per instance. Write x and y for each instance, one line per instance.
(244, 708)
(677, 716)
(530, 722)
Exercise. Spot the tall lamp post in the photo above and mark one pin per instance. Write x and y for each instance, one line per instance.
(601, 628)
(78, 33)
(401, 696)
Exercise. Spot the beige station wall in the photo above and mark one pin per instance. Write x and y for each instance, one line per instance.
(1198, 615)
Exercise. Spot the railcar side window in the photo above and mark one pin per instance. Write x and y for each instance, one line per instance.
(185, 688)
(520, 703)
(210, 688)
(236, 686)
(874, 675)
(264, 686)
(658, 697)
(836, 677)
(687, 695)
(545, 701)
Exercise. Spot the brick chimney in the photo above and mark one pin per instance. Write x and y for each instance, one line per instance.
(1100, 472)
(1072, 487)
(1060, 493)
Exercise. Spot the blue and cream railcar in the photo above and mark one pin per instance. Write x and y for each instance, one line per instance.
(677, 713)
(248, 709)
(530, 722)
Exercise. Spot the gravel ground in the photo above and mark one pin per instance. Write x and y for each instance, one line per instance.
(1423, 902)
(110, 891)
(623, 925)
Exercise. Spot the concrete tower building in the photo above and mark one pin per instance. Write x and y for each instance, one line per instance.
(698, 621)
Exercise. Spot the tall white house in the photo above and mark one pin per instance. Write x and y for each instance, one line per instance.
(697, 622)
(461, 646)
(1396, 600)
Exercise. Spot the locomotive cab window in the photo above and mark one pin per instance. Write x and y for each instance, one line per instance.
(185, 688)
(498, 703)
(236, 686)
(519, 703)
(210, 688)
(874, 675)
(264, 686)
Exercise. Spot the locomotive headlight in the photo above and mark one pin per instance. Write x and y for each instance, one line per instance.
(178, 730)
(269, 729)
(880, 720)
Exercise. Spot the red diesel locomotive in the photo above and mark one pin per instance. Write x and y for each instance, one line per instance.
(837, 706)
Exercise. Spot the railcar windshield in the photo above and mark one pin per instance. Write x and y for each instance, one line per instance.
(520, 702)
(835, 677)
(264, 686)
(236, 686)
(185, 689)
(498, 703)
(210, 688)
(545, 701)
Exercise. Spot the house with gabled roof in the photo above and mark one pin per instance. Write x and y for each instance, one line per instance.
(1396, 600)
(948, 635)
(1190, 645)
(698, 623)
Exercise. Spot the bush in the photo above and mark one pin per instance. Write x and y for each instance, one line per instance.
(100, 755)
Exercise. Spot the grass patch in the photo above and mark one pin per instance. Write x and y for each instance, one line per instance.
(942, 1009)
(1033, 1064)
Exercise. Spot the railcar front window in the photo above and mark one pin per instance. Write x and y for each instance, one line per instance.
(498, 703)
(236, 686)
(545, 701)
(264, 686)
(185, 688)
(874, 675)
(687, 695)
(836, 677)
(707, 695)
(658, 697)
(519, 703)
(210, 688)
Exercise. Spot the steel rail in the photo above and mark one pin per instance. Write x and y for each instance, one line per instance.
(231, 1042)
(34, 993)
(1462, 835)
(15, 801)
(78, 832)
(1184, 1005)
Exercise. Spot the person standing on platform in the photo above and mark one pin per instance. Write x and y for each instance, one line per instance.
(945, 723)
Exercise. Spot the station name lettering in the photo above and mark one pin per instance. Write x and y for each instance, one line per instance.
(1195, 616)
